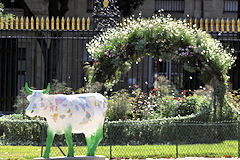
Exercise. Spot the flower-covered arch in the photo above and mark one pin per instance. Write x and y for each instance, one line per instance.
(117, 48)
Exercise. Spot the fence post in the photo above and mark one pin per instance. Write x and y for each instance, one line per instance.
(42, 126)
(176, 132)
(110, 137)
(110, 151)
(238, 138)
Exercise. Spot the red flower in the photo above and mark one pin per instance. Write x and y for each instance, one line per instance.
(226, 156)
(184, 92)
(154, 89)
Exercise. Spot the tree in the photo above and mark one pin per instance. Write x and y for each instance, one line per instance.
(8, 15)
(127, 7)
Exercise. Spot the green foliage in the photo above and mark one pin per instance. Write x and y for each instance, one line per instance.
(161, 37)
(167, 107)
(21, 101)
(60, 88)
(141, 105)
(154, 105)
(5, 16)
(192, 105)
(161, 131)
(17, 131)
(119, 106)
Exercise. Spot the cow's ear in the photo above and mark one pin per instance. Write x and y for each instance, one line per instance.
(29, 98)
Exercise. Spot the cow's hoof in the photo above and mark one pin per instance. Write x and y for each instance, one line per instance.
(70, 155)
(46, 155)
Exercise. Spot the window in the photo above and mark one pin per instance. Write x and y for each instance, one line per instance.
(230, 5)
(169, 5)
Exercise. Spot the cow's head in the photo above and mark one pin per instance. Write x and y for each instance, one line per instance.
(36, 99)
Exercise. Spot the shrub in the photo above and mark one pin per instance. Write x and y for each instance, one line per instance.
(21, 101)
(161, 131)
(192, 105)
(141, 105)
(167, 107)
(59, 88)
(119, 106)
(16, 130)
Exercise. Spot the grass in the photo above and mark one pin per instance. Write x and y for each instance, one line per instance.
(229, 148)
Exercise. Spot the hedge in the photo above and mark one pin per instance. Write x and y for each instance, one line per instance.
(163, 131)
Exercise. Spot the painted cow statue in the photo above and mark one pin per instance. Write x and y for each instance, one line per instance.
(67, 114)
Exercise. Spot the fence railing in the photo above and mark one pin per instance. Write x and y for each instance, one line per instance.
(146, 139)
(45, 23)
(82, 23)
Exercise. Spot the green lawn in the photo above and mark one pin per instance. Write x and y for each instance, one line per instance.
(229, 148)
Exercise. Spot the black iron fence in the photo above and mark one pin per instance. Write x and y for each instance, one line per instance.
(37, 58)
(139, 139)
(39, 55)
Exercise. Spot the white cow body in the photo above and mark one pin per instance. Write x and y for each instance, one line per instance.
(84, 113)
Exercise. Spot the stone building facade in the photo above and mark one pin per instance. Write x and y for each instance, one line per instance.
(178, 8)
(193, 8)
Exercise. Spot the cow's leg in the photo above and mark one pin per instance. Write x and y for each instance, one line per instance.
(93, 141)
(50, 137)
(68, 136)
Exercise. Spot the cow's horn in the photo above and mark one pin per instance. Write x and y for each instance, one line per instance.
(28, 89)
(47, 90)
